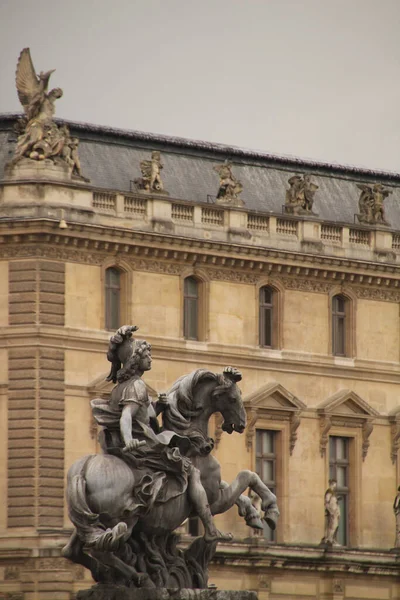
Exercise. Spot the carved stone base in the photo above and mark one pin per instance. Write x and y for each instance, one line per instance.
(44, 170)
(116, 592)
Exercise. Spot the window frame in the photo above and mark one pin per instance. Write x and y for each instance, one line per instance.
(190, 300)
(275, 307)
(203, 287)
(125, 297)
(349, 315)
(270, 457)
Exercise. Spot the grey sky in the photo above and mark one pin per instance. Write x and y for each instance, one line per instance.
(312, 78)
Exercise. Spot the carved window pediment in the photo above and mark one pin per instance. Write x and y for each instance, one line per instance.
(273, 402)
(346, 409)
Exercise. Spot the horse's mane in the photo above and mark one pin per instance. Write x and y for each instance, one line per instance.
(183, 407)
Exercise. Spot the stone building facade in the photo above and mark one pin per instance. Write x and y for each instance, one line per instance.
(228, 266)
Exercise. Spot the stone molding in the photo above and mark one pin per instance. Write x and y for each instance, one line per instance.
(174, 262)
(273, 402)
(346, 409)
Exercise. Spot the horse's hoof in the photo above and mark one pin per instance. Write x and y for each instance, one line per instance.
(218, 536)
(255, 523)
(271, 518)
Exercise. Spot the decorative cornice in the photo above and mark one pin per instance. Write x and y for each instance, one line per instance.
(160, 253)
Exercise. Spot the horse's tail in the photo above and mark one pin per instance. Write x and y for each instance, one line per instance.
(90, 530)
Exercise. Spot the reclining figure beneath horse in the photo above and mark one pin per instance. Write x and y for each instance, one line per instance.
(126, 503)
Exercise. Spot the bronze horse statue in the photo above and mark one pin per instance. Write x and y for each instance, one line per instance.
(120, 541)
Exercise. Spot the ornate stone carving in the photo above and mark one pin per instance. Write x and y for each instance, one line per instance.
(231, 275)
(300, 195)
(229, 186)
(325, 426)
(338, 586)
(40, 138)
(11, 572)
(306, 285)
(371, 204)
(367, 429)
(368, 293)
(151, 174)
(346, 409)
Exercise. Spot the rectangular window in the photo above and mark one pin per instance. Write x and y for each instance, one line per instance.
(339, 469)
(266, 460)
(112, 298)
(338, 326)
(191, 309)
(266, 317)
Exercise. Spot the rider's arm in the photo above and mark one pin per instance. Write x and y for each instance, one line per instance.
(128, 413)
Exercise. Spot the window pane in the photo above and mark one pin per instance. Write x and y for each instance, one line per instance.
(190, 318)
(267, 471)
(191, 287)
(112, 298)
(341, 476)
(342, 531)
(341, 447)
(267, 327)
(266, 295)
(268, 442)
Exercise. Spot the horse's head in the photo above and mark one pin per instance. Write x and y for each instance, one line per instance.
(228, 401)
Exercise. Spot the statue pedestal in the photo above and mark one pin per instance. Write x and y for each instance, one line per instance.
(44, 170)
(116, 592)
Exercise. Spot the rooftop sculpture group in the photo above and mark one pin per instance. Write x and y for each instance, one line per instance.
(126, 502)
(40, 138)
(229, 186)
(151, 174)
(300, 195)
(371, 207)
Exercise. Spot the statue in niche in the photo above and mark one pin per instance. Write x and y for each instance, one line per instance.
(126, 503)
(332, 515)
(151, 174)
(300, 195)
(371, 204)
(229, 186)
(396, 510)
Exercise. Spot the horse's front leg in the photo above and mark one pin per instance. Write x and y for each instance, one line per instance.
(228, 496)
(246, 509)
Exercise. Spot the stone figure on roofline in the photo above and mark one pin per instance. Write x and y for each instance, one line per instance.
(40, 138)
(229, 186)
(151, 174)
(332, 515)
(370, 204)
(126, 502)
(300, 195)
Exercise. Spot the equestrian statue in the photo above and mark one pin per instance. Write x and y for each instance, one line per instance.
(126, 502)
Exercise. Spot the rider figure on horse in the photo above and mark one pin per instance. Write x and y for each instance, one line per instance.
(131, 432)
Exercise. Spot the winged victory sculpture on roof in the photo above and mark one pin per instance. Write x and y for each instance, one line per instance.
(40, 137)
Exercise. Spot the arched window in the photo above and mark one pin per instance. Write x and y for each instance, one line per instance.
(340, 325)
(191, 308)
(268, 317)
(112, 298)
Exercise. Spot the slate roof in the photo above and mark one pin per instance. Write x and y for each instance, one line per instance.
(111, 158)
